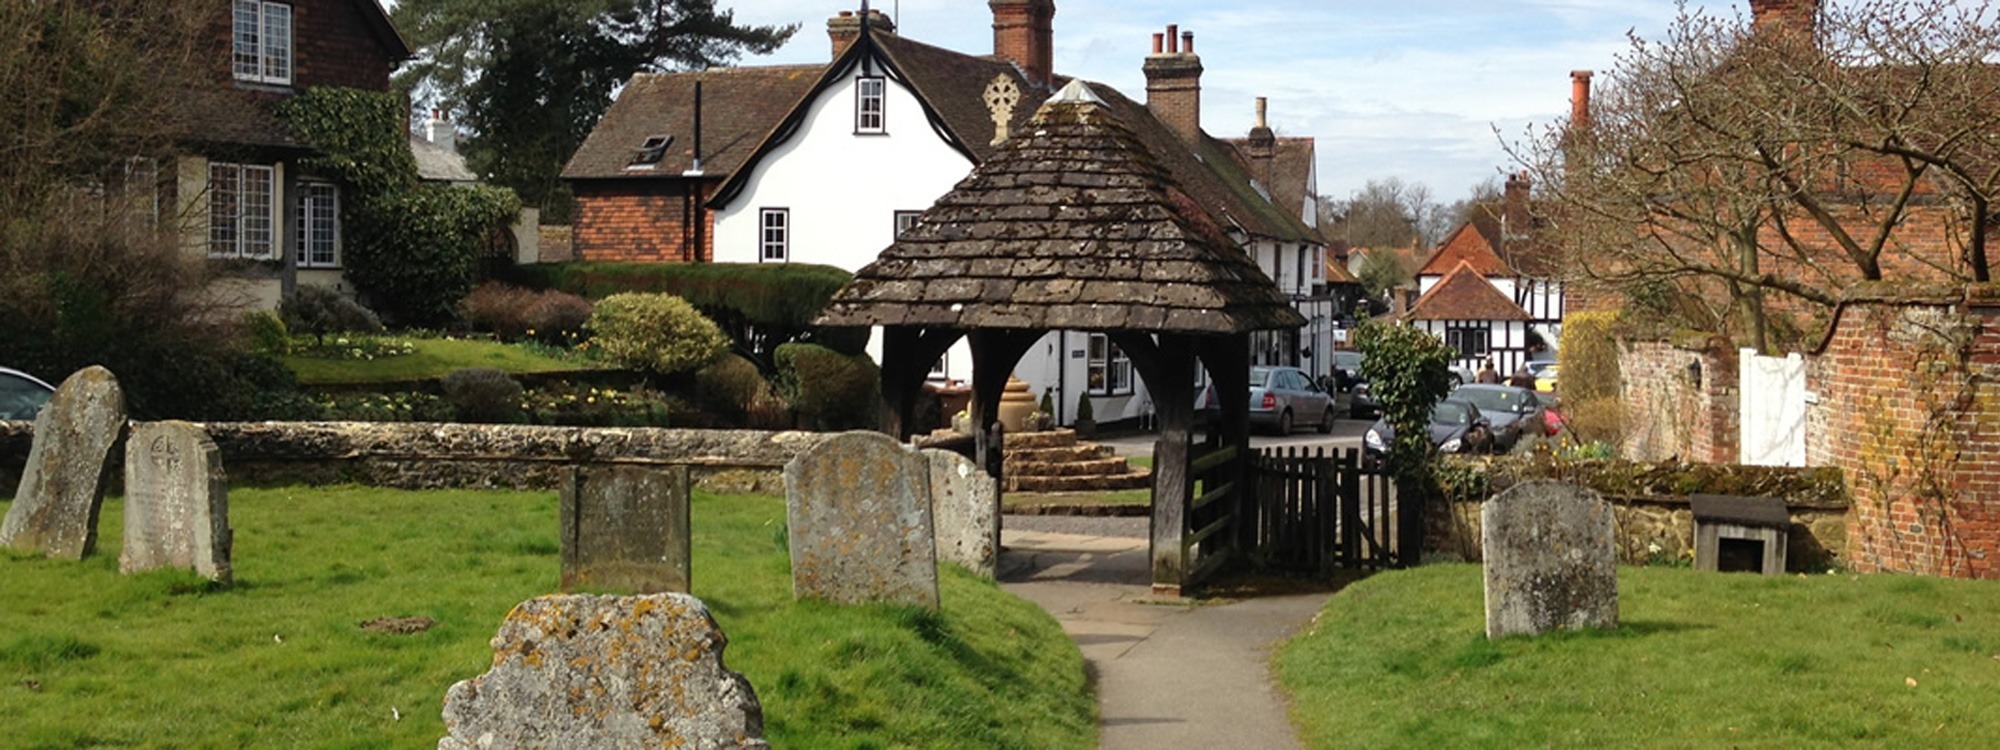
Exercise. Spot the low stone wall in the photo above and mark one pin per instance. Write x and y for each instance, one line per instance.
(428, 456)
(1650, 504)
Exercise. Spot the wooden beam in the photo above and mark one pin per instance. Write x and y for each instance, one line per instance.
(994, 354)
(907, 354)
(1172, 386)
(1227, 359)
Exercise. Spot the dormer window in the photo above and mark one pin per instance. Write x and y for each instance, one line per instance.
(262, 47)
(650, 152)
(868, 96)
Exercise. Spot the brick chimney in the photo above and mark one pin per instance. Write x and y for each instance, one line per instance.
(1262, 147)
(1785, 16)
(1022, 34)
(1519, 221)
(1579, 100)
(843, 29)
(1173, 83)
(440, 132)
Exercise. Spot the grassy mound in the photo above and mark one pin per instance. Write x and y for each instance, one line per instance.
(1702, 660)
(90, 657)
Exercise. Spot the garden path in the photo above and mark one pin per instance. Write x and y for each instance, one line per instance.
(1168, 674)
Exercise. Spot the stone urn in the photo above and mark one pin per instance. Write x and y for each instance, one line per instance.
(1016, 403)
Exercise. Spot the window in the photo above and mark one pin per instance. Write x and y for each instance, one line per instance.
(650, 152)
(1110, 373)
(262, 50)
(1469, 340)
(939, 371)
(242, 211)
(775, 234)
(868, 104)
(905, 220)
(319, 225)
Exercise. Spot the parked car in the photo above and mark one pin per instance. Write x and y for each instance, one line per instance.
(1456, 427)
(1513, 411)
(1284, 397)
(1545, 380)
(22, 396)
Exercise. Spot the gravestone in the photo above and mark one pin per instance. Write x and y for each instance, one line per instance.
(176, 501)
(625, 528)
(581, 671)
(859, 513)
(62, 487)
(965, 507)
(1551, 560)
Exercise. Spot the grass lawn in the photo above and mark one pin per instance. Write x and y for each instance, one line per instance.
(90, 657)
(1702, 660)
(433, 358)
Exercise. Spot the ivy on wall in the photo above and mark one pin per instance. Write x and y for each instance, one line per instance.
(411, 248)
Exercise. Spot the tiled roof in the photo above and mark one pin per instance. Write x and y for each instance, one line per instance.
(1463, 294)
(438, 163)
(740, 106)
(384, 30)
(1291, 169)
(1337, 273)
(1467, 245)
(1073, 224)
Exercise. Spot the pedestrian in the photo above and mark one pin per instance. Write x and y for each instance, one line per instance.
(1521, 379)
(1486, 372)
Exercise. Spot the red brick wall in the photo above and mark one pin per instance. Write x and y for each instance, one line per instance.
(1667, 414)
(1908, 406)
(637, 221)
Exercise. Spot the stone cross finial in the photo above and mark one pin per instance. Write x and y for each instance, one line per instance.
(1001, 96)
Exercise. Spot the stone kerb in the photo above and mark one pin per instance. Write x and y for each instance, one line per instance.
(625, 528)
(176, 502)
(580, 671)
(965, 507)
(859, 513)
(1551, 560)
(62, 486)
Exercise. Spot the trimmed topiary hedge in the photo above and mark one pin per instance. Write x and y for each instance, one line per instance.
(830, 390)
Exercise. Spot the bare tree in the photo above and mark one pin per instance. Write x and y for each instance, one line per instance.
(1721, 162)
(1386, 212)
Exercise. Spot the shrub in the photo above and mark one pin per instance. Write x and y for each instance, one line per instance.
(563, 404)
(656, 333)
(727, 388)
(500, 309)
(846, 340)
(319, 311)
(830, 390)
(1591, 406)
(558, 318)
(483, 394)
(267, 333)
(760, 306)
(1408, 371)
(403, 406)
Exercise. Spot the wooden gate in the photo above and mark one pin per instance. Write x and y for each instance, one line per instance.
(1317, 510)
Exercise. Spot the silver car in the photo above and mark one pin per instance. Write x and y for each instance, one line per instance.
(1284, 397)
(22, 396)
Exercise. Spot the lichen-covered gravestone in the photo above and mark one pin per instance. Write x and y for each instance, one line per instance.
(62, 486)
(582, 671)
(859, 513)
(965, 507)
(1551, 560)
(625, 528)
(176, 502)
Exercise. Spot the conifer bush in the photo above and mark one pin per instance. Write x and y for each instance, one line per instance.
(319, 311)
(483, 394)
(830, 390)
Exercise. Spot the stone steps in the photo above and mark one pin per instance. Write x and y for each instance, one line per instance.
(1137, 479)
(1056, 438)
(1108, 466)
(1068, 453)
(1055, 461)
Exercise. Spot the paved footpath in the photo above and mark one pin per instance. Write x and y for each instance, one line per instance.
(1168, 675)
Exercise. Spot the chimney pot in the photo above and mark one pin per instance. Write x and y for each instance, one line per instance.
(1159, 43)
(1173, 85)
(1579, 104)
(1173, 38)
(1187, 42)
(1261, 103)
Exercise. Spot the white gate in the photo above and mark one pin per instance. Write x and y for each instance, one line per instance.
(1773, 409)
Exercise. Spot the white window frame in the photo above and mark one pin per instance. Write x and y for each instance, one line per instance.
(1470, 341)
(905, 221)
(774, 235)
(871, 100)
(941, 369)
(1107, 371)
(243, 211)
(261, 42)
(318, 222)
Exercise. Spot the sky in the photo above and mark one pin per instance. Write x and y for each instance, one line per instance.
(1414, 89)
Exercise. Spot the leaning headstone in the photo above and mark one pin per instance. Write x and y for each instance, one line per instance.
(965, 507)
(62, 486)
(1551, 560)
(176, 501)
(859, 512)
(582, 671)
(625, 528)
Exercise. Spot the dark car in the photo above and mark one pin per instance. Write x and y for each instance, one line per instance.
(1284, 397)
(1513, 411)
(1456, 427)
(22, 396)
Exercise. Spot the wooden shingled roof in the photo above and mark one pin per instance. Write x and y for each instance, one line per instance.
(1071, 225)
